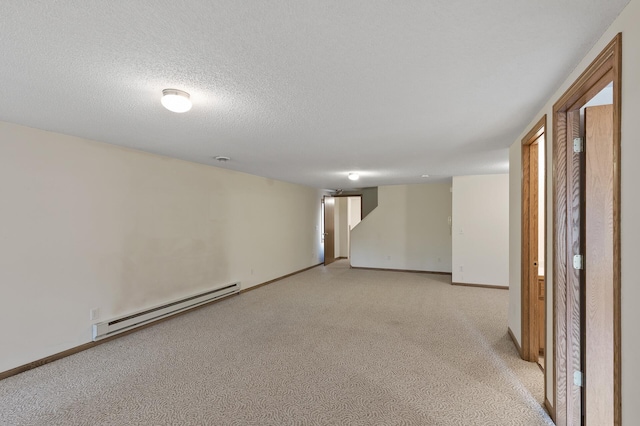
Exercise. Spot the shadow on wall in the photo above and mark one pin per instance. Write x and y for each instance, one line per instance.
(409, 230)
(369, 198)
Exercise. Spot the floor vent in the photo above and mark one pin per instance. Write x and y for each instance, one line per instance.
(137, 319)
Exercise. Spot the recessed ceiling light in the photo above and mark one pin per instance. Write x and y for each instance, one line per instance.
(176, 100)
(354, 176)
(425, 176)
(222, 158)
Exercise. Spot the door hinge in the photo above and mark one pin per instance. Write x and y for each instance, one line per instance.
(578, 262)
(578, 378)
(578, 145)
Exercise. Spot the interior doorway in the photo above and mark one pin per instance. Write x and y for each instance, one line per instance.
(341, 214)
(349, 214)
(328, 234)
(586, 247)
(533, 244)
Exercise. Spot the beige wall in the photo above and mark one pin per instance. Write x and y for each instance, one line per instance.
(355, 216)
(480, 230)
(627, 23)
(87, 225)
(355, 211)
(408, 230)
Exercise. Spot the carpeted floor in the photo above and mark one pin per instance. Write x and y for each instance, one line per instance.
(330, 346)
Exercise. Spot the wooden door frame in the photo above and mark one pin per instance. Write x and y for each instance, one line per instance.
(529, 349)
(605, 68)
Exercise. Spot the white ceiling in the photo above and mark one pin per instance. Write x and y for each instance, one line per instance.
(302, 91)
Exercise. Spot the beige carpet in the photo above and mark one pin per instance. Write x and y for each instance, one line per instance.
(330, 346)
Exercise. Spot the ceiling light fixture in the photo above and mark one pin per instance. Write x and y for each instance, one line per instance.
(425, 176)
(354, 176)
(176, 100)
(222, 158)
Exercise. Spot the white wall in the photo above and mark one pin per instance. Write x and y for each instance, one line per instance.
(86, 225)
(408, 230)
(355, 211)
(480, 230)
(627, 23)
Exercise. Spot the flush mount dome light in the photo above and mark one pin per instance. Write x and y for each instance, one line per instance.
(176, 100)
(354, 176)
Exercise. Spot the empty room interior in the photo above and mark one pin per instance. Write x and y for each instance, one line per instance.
(324, 213)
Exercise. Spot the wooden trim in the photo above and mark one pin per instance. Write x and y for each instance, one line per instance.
(342, 258)
(566, 352)
(46, 360)
(515, 342)
(525, 228)
(244, 290)
(498, 287)
(573, 317)
(617, 250)
(401, 270)
(605, 79)
(548, 349)
(559, 267)
(598, 67)
(536, 131)
(51, 358)
(529, 240)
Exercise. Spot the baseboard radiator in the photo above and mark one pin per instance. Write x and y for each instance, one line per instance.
(137, 319)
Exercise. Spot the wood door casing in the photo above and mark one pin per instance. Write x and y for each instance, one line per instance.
(532, 323)
(604, 69)
(574, 241)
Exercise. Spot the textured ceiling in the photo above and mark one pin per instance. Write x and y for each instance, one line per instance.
(302, 91)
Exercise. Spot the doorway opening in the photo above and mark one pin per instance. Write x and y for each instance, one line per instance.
(328, 233)
(533, 244)
(586, 246)
(341, 215)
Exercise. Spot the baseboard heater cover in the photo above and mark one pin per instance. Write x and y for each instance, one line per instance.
(127, 322)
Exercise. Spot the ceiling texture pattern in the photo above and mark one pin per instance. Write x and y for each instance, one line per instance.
(301, 91)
